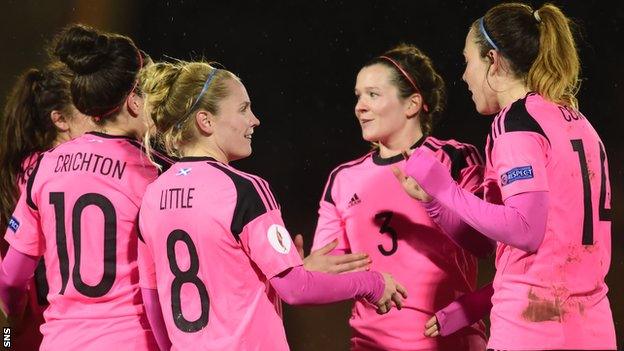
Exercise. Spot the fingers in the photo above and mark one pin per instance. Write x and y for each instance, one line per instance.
(431, 322)
(432, 331)
(398, 174)
(353, 266)
(431, 327)
(401, 290)
(299, 244)
(327, 248)
(382, 309)
(398, 300)
(340, 259)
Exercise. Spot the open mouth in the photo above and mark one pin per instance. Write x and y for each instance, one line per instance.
(364, 121)
(248, 136)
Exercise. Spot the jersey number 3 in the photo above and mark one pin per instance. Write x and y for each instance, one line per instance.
(385, 228)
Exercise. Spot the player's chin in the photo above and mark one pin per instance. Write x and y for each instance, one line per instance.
(244, 152)
(369, 136)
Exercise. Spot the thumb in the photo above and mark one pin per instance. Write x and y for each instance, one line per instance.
(398, 174)
(327, 248)
(299, 244)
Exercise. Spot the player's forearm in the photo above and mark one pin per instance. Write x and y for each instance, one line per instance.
(520, 222)
(301, 287)
(16, 270)
(155, 318)
(466, 310)
(459, 231)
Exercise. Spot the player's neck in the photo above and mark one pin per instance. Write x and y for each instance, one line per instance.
(403, 142)
(117, 131)
(515, 91)
(203, 151)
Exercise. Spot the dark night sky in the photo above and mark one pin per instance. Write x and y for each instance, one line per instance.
(299, 59)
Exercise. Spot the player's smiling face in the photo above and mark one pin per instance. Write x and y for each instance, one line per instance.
(235, 122)
(379, 109)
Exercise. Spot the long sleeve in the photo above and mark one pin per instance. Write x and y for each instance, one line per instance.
(300, 287)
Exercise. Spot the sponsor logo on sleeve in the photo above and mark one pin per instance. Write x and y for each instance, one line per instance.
(518, 173)
(14, 224)
(279, 238)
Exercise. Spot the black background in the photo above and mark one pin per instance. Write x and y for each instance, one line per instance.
(299, 59)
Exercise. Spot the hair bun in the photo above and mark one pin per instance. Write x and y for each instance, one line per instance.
(82, 49)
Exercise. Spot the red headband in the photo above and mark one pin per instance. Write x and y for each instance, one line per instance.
(116, 108)
(408, 77)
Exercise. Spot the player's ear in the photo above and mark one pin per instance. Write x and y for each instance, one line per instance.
(134, 103)
(59, 120)
(205, 122)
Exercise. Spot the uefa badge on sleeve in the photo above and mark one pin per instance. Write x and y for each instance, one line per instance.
(14, 224)
(279, 238)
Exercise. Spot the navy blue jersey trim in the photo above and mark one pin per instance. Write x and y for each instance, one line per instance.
(30, 183)
(327, 196)
(249, 204)
(518, 119)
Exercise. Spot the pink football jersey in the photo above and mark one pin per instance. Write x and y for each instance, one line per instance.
(555, 298)
(367, 210)
(30, 337)
(213, 237)
(79, 211)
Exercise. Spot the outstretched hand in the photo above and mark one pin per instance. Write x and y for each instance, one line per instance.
(322, 260)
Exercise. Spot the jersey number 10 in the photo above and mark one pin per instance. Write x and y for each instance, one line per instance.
(57, 199)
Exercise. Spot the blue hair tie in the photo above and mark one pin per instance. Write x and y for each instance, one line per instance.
(201, 93)
(485, 34)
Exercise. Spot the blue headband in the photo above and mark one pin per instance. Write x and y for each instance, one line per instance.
(485, 34)
(206, 85)
(201, 93)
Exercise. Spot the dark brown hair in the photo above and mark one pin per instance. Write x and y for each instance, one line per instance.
(538, 45)
(420, 69)
(27, 127)
(105, 66)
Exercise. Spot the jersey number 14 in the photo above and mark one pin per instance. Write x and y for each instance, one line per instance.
(604, 214)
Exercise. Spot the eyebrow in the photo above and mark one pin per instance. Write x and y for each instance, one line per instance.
(370, 88)
(245, 104)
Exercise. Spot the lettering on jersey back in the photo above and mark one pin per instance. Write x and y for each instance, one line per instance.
(90, 162)
(176, 198)
(570, 114)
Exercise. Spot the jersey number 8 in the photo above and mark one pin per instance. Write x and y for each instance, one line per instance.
(188, 276)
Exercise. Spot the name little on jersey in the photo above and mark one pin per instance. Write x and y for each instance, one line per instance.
(90, 162)
(176, 198)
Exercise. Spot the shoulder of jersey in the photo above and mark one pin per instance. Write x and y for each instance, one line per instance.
(163, 160)
(516, 118)
(334, 173)
(253, 196)
(459, 155)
